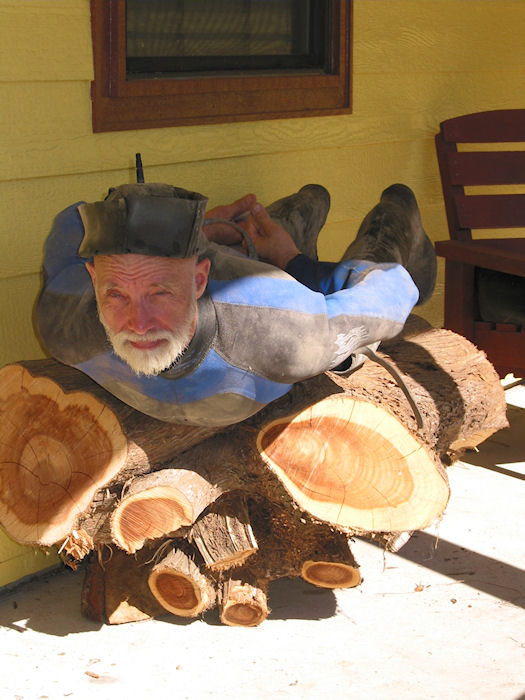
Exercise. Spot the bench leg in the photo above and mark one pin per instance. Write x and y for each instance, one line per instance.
(459, 298)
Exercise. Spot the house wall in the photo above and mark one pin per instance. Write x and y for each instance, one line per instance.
(415, 63)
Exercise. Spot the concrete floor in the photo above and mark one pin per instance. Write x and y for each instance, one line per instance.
(443, 618)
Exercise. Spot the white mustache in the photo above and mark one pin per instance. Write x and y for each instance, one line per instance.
(148, 337)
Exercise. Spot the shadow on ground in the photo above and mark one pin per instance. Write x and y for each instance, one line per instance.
(475, 570)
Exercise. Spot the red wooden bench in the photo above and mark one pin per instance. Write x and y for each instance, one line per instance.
(503, 342)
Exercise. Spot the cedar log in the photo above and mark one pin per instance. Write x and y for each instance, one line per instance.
(179, 585)
(243, 600)
(347, 451)
(116, 588)
(159, 503)
(223, 535)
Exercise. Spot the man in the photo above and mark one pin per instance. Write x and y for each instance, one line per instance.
(186, 328)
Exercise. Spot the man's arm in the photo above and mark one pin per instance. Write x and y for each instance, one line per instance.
(65, 314)
(275, 245)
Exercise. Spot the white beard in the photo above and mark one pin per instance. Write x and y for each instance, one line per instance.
(152, 362)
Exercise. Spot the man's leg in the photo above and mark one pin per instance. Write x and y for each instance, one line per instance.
(303, 215)
(392, 232)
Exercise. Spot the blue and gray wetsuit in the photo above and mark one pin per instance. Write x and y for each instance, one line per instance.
(259, 328)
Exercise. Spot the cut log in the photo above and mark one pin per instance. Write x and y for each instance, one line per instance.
(330, 574)
(292, 544)
(116, 589)
(62, 437)
(330, 563)
(179, 586)
(57, 449)
(353, 464)
(243, 601)
(160, 503)
(334, 457)
(223, 535)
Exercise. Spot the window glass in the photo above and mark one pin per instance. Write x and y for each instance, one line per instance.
(202, 36)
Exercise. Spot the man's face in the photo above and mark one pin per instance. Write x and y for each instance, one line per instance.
(148, 306)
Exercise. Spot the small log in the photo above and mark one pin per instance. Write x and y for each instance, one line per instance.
(331, 565)
(223, 535)
(160, 503)
(179, 586)
(243, 600)
(115, 589)
(292, 544)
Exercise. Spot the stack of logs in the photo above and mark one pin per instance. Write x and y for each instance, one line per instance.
(182, 519)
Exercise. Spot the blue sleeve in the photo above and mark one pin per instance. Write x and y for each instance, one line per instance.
(66, 316)
(324, 277)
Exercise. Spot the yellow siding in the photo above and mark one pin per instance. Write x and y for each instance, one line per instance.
(415, 63)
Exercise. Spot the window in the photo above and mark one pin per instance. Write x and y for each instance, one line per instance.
(174, 62)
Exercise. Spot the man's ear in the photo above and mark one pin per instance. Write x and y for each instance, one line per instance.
(202, 270)
(90, 267)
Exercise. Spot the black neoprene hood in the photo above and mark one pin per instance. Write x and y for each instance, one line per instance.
(145, 219)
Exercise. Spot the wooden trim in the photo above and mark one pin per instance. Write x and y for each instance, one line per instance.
(445, 151)
(459, 284)
(487, 168)
(490, 211)
(500, 125)
(502, 254)
(119, 104)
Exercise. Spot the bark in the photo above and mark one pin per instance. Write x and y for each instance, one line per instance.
(224, 535)
(456, 388)
(92, 604)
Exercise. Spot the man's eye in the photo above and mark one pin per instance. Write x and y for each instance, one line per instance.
(114, 294)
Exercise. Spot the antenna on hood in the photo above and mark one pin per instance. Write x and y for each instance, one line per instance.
(138, 168)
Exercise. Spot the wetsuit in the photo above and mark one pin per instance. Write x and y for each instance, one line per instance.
(259, 328)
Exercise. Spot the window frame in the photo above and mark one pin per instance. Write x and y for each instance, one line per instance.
(120, 104)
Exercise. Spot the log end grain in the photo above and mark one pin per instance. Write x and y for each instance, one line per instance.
(326, 574)
(354, 465)
(56, 450)
(179, 586)
(148, 515)
(243, 604)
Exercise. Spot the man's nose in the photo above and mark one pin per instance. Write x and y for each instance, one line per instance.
(140, 320)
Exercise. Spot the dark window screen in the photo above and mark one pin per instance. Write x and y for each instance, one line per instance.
(178, 37)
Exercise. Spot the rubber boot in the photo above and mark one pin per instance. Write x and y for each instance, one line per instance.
(303, 215)
(392, 232)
